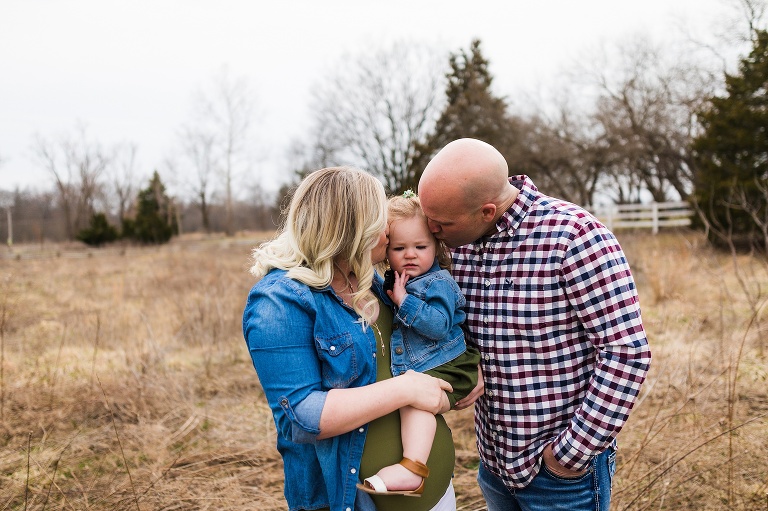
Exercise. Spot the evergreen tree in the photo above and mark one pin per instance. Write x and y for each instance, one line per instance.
(472, 111)
(99, 232)
(155, 220)
(731, 154)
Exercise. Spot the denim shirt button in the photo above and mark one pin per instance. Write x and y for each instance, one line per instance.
(284, 402)
(399, 350)
(361, 430)
(353, 471)
(333, 348)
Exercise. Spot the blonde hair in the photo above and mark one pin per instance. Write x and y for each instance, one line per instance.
(335, 213)
(408, 205)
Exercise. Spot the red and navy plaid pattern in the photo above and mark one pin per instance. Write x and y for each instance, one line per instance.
(552, 306)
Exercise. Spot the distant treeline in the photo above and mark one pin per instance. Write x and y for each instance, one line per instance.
(643, 125)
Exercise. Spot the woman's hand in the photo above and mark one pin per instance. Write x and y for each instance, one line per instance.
(427, 392)
(348, 409)
(473, 396)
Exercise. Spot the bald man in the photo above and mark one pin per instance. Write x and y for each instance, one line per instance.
(553, 309)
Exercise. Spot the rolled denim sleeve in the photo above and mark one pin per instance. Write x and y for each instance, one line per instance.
(308, 413)
(278, 329)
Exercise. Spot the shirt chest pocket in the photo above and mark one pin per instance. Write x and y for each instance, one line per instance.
(534, 302)
(531, 288)
(339, 361)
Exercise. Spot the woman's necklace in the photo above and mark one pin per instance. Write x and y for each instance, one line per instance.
(349, 287)
(348, 290)
(381, 339)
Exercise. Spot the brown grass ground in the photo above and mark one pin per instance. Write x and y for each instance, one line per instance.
(125, 383)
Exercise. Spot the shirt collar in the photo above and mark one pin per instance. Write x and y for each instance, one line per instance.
(514, 216)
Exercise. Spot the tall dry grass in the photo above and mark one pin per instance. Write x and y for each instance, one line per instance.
(125, 384)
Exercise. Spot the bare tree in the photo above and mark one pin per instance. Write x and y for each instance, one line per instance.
(742, 21)
(76, 164)
(123, 178)
(257, 210)
(226, 115)
(561, 150)
(377, 106)
(302, 157)
(199, 151)
(756, 209)
(646, 111)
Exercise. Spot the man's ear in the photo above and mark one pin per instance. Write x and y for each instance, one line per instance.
(488, 212)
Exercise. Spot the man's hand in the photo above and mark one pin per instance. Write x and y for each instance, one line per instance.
(556, 468)
(473, 396)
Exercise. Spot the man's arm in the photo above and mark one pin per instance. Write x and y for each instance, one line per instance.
(602, 291)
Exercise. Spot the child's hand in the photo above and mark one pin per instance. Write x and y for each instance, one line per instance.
(398, 293)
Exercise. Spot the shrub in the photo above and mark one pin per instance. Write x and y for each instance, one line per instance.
(99, 232)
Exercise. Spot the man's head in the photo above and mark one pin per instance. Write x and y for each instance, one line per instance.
(464, 190)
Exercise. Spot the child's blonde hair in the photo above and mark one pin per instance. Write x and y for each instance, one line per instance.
(408, 205)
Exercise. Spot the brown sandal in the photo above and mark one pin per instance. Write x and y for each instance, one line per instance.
(375, 484)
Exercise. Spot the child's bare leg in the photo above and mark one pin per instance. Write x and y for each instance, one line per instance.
(417, 429)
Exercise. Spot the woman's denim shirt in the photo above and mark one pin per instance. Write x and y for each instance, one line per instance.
(303, 343)
(427, 327)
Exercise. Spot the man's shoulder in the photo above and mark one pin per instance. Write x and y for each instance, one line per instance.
(561, 212)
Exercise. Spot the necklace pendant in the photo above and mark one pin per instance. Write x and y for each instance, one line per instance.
(381, 339)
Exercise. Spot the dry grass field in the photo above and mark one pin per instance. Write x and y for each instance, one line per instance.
(125, 383)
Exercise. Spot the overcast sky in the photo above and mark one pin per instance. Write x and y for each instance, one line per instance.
(128, 69)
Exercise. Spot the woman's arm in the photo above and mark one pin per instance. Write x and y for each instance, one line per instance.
(347, 409)
(278, 328)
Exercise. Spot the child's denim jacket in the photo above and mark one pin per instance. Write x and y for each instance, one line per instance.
(427, 327)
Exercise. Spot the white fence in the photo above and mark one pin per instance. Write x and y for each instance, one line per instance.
(645, 216)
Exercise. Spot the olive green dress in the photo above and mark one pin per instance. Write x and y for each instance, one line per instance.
(383, 444)
(384, 447)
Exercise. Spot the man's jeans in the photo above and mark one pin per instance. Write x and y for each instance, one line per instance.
(548, 492)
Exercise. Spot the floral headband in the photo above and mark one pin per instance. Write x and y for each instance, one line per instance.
(409, 194)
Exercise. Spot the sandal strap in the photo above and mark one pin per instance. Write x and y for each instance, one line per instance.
(377, 483)
(417, 467)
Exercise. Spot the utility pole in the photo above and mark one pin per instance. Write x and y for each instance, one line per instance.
(10, 226)
(6, 201)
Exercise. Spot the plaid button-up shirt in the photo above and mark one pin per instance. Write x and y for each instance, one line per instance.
(552, 307)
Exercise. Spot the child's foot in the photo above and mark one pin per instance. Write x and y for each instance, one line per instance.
(402, 483)
(397, 478)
